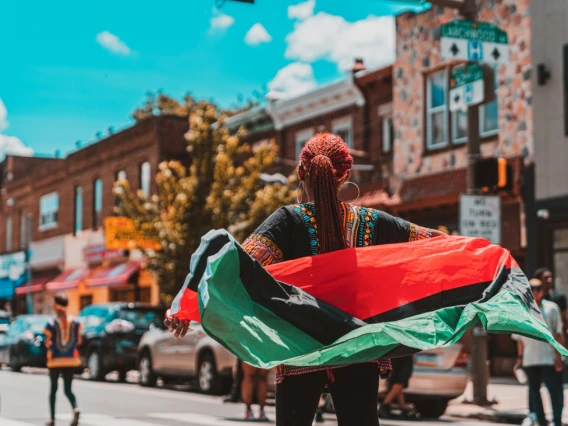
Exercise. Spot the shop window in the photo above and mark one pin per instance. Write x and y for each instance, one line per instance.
(97, 204)
(343, 128)
(48, 211)
(301, 138)
(85, 301)
(78, 210)
(145, 178)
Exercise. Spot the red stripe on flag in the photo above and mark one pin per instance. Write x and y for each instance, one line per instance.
(366, 282)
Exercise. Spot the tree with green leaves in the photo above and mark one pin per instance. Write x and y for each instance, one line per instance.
(222, 188)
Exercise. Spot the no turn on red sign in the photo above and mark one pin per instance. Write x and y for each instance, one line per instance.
(480, 216)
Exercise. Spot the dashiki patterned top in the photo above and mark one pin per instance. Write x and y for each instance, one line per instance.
(64, 344)
(291, 233)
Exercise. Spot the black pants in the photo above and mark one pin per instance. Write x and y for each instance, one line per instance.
(553, 382)
(67, 374)
(355, 391)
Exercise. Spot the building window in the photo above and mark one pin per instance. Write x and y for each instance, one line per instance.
(121, 175)
(23, 230)
(97, 203)
(145, 178)
(48, 211)
(9, 233)
(437, 115)
(85, 301)
(301, 138)
(459, 127)
(78, 209)
(437, 110)
(388, 134)
(343, 128)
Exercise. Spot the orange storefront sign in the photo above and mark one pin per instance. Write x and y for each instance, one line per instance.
(121, 234)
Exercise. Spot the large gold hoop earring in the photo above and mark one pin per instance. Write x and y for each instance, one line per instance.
(358, 190)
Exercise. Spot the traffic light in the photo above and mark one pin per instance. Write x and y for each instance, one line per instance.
(493, 174)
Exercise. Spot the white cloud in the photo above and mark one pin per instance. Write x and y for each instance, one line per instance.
(292, 80)
(332, 38)
(111, 42)
(221, 21)
(257, 35)
(10, 144)
(302, 11)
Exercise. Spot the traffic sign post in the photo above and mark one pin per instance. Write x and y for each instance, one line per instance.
(474, 41)
(467, 86)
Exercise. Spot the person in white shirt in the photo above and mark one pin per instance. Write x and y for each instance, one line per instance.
(541, 362)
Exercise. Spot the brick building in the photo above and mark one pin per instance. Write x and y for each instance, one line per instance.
(66, 201)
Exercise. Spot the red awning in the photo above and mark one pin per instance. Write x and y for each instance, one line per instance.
(114, 275)
(37, 284)
(68, 280)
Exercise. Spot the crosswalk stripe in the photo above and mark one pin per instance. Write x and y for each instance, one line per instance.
(199, 419)
(103, 420)
(8, 422)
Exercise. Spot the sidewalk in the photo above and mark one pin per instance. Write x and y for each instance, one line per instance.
(511, 403)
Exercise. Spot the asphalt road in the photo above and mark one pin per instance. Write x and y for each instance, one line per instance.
(23, 402)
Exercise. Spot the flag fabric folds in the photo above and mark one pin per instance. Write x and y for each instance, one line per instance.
(356, 305)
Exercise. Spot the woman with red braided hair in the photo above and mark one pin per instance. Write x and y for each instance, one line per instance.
(324, 224)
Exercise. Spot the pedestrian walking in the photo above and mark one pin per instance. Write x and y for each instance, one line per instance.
(254, 384)
(401, 372)
(323, 224)
(541, 362)
(63, 337)
(550, 293)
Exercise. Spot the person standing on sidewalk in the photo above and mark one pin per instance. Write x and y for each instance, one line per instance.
(63, 337)
(545, 275)
(541, 362)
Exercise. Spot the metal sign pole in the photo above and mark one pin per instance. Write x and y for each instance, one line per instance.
(29, 300)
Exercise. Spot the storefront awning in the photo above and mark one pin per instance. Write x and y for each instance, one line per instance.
(114, 275)
(37, 284)
(68, 280)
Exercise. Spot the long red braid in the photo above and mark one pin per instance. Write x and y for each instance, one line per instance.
(325, 160)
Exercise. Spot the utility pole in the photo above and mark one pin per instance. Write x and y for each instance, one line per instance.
(479, 365)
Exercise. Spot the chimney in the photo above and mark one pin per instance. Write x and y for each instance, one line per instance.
(358, 66)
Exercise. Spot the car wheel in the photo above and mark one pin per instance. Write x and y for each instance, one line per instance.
(147, 376)
(95, 366)
(431, 409)
(207, 375)
(14, 363)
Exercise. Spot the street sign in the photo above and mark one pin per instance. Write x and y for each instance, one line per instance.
(467, 86)
(474, 41)
(480, 216)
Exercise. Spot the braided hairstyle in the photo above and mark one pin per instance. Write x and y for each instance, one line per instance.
(325, 161)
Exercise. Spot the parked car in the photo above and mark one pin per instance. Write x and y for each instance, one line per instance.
(111, 333)
(194, 357)
(439, 376)
(23, 344)
(4, 321)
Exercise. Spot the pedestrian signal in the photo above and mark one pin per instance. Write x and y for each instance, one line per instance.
(493, 174)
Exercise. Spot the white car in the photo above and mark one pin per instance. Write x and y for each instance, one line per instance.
(195, 356)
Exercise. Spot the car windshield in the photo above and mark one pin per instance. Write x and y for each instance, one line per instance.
(144, 318)
(35, 324)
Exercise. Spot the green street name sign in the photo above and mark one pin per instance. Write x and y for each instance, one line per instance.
(466, 74)
(474, 31)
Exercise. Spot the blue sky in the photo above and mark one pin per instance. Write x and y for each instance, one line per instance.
(70, 69)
